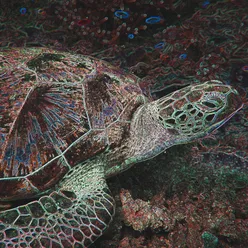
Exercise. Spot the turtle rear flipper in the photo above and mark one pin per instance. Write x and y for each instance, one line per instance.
(74, 216)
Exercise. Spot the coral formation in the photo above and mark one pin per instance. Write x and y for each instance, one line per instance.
(142, 215)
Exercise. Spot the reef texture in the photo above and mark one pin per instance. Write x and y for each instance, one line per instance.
(178, 202)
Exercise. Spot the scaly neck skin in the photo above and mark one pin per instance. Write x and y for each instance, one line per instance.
(148, 137)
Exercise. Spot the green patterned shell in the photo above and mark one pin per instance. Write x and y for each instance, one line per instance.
(57, 109)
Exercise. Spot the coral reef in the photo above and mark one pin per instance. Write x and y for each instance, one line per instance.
(142, 215)
(180, 203)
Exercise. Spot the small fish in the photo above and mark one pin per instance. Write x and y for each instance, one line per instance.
(41, 12)
(245, 68)
(183, 56)
(130, 36)
(153, 20)
(205, 4)
(83, 22)
(23, 11)
(121, 14)
(160, 45)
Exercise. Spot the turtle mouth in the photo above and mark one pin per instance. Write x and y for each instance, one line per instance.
(221, 123)
(232, 105)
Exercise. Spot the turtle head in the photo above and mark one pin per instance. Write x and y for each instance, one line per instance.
(195, 111)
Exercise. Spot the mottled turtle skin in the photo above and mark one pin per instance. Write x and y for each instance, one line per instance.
(68, 122)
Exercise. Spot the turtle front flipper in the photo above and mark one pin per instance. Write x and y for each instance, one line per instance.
(74, 216)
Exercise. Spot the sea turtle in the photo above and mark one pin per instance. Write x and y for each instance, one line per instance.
(67, 123)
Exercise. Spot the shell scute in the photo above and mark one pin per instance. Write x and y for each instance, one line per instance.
(91, 144)
(56, 110)
(49, 174)
(47, 122)
(13, 188)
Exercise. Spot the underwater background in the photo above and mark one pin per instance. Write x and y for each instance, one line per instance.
(195, 195)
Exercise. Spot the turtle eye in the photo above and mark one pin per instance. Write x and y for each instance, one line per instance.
(211, 104)
(213, 100)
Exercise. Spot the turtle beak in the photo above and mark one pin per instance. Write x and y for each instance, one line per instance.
(234, 102)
